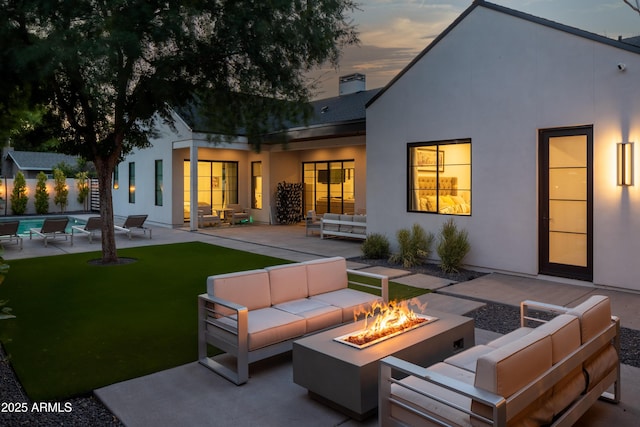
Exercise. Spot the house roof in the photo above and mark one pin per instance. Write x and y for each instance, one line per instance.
(631, 44)
(337, 116)
(39, 161)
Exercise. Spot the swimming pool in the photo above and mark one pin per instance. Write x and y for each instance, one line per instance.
(27, 223)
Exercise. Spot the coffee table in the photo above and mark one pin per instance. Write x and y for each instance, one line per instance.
(346, 378)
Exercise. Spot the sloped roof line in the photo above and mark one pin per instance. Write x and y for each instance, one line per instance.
(36, 161)
(620, 44)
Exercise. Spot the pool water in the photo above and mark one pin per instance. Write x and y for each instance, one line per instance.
(28, 223)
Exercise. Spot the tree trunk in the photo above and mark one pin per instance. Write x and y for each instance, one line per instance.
(109, 253)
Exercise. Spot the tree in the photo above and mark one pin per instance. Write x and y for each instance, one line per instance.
(112, 68)
(42, 194)
(61, 199)
(633, 4)
(82, 184)
(19, 196)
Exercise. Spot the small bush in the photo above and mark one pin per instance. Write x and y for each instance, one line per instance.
(61, 199)
(19, 196)
(452, 247)
(376, 246)
(42, 194)
(415, 246)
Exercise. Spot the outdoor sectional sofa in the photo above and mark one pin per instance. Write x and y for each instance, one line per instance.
(353, 226)
(548, 375)
(256, 314)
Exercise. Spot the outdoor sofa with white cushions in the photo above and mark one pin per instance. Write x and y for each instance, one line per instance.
(548, 375)
(341, 225)
(256, 314)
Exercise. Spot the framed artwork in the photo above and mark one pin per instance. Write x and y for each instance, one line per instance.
(430, 160)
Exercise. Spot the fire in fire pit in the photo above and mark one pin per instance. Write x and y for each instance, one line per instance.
(384, 321)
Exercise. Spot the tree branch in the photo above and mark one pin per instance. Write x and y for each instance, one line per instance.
(635, 7)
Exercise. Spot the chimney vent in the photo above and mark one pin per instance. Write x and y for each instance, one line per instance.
(352, 83)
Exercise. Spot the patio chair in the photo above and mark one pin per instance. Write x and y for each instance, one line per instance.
(51, 229)
(93, 225)
(238, 214)
(134, 223)
(206, 215)
(313, 222)
(9, 231)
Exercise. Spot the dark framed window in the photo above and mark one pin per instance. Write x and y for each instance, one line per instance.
(132, 182)
(439, 177)
(256, 185)
(329, 187)
(217, 184)
(116, 177)
(158, 181)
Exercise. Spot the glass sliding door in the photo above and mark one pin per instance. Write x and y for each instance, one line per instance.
(217, 184)
(329, 187)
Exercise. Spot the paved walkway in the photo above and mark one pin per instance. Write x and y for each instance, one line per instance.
(191, 395)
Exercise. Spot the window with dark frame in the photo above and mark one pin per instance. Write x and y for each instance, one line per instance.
(256, 185)
(132, 182)
(439, 177)
(158, 181)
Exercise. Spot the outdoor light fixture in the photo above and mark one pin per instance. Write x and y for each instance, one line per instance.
(625, 163)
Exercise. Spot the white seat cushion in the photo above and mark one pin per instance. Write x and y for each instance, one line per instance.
(350, 301)
(318, 314)
(287, 282)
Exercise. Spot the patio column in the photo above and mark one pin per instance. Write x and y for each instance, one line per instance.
(193, 187)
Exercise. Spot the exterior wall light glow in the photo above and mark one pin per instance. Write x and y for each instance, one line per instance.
(625, 163)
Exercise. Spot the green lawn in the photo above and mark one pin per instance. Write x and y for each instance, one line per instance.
(81, 326)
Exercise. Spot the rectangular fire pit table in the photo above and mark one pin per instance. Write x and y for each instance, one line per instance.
(346, 378)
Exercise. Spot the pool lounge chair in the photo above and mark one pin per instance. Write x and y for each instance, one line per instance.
(51, 229)
(133, 223)
(93, 225)
(9, 231)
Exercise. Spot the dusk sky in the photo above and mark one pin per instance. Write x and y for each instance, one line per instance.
(393, 32)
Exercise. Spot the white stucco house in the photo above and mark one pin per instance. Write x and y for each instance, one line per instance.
(183, 167)
(512, 124)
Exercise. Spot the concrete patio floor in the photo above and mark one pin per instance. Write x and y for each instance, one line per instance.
(191, 395)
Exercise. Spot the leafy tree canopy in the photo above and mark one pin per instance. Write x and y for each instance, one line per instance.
(107, 67)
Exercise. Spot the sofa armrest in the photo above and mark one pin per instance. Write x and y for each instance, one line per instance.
(527, 306)
(383, 288)
(390, 364)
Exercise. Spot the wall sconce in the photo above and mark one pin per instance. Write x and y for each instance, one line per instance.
(625, 163)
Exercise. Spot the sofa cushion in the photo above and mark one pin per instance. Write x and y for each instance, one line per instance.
(600, 364)
(357, 228)
(331, 227)
(508, 369)
(467, 359)
(509, 337)
(318, 314)
(565, 335)
(247, 288)
(346, 228)
(594, 315)
(326, 275)
(268, 326)
(434, 408)
(350, 301)
(288, 282)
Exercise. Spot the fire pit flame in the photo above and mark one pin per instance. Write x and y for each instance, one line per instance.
(384, 321)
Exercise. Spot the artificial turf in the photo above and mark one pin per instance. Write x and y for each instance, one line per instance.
(81, 326)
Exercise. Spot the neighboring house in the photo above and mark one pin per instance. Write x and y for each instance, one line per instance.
(510, 125)
(30, 163)
(327, 154)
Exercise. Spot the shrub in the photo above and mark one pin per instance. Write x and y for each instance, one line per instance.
(19, 195)
(61, 198)
(82, 185)
(415, 246)
(376, 246)
(452, 247)
(42, 195)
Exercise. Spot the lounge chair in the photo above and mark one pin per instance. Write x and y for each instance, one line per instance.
(313, 222)
(133, 223)
(206, 215)
(238, 214)
(52, 228)
(93, 225)
(9, 231)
